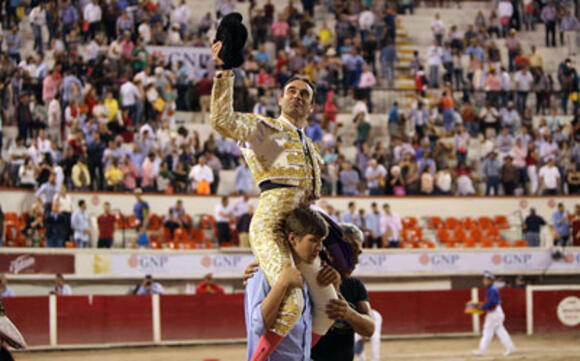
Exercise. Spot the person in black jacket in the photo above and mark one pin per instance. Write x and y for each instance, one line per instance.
(56, 226)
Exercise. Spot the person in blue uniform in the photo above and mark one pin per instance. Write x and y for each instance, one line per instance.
(494, 318)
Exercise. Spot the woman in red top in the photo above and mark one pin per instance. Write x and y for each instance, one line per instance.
(330, 108)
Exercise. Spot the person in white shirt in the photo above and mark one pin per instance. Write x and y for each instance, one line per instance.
(54, 119)
(145, 31)
(391, 226)
(60, 287)
(92, 14)
(366, 20)
(434, 60)
(360, 107)
(43, 143)
(505, 11)
(131, 95)
(38, 20)
(438, 29)
(223, 214)
(200, 172)
(548, 149)
(443, 181)
(181, 15)
(524, 81)
(550, 178)
(375, 175)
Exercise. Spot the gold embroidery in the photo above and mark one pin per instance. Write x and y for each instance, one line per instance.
(295, 158)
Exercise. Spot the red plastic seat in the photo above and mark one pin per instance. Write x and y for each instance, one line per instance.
(458, 235)
(409, 222)
(520, 243)
(501, 222)
(443, 236)
(485, 222)
(451, 223)
(435, 223)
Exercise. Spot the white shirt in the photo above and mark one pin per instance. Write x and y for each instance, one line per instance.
(443, 181)
(129, 94)
(65, 290)
(145, 32)
(220, 209)
(181, 15)
(524, 82)
(360, 106)
(547, 149)
(366, 20)
(54, 114)
(437, 26)
(434, 55)
(391, 224)
(92, 50)
(241, 207)
(199, 173)
(92, 13)
(38, 16)
(43, 145)
(115, 50)
(550, 176)
(505, 8)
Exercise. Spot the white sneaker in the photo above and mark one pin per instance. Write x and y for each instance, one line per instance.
(478, 353)
(510, 352)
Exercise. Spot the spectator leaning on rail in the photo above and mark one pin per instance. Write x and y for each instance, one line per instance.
(561, 226)
(149, 287)
(532, 227)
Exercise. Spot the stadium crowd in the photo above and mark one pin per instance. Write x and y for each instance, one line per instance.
(101, 116)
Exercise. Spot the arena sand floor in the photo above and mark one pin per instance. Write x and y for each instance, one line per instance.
(550, 347)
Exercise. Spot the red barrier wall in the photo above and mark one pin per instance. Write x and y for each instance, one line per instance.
(30, 315)
(416, 312)
(104, 319)
(545, 308)
(120, 319)
(202, 317)
(513, 303)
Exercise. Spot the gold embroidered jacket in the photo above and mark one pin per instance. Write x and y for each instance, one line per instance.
(272, 149)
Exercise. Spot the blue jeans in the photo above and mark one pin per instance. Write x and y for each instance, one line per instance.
(448, 121)
(533, 239)
(492, 182)
(472, 128)
(54, 242)
(37, 31)
(434, 76)
(81, 243)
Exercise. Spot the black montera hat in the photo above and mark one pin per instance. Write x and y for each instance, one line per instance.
(233, 34)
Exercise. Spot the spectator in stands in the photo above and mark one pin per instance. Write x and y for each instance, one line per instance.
(573, 179)
(5, 291)
(33, 224)
(140, 209)
(561, 221)
(201, 177)
(443, 181)
(351, 216)
(532, 227)
(244, 211)
(549, 16)
(575, 226)
(56, 227)
(349, 179)
(434, 60)
(177, 218)
(491, 173)
(391, 226)
(208, 286)
(373, 225)
(375, 175)
(106, 223)
(149, 287)
(550, 178)
(47, 191)
(223, 214)
(81, 176)
(60, 287)
(81, 225)
(509, 176)
(244, 180)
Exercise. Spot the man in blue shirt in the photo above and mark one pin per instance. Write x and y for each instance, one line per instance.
(141, 209)
(561, 225)
(494, 318)
(314, 130)
(304, 231)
